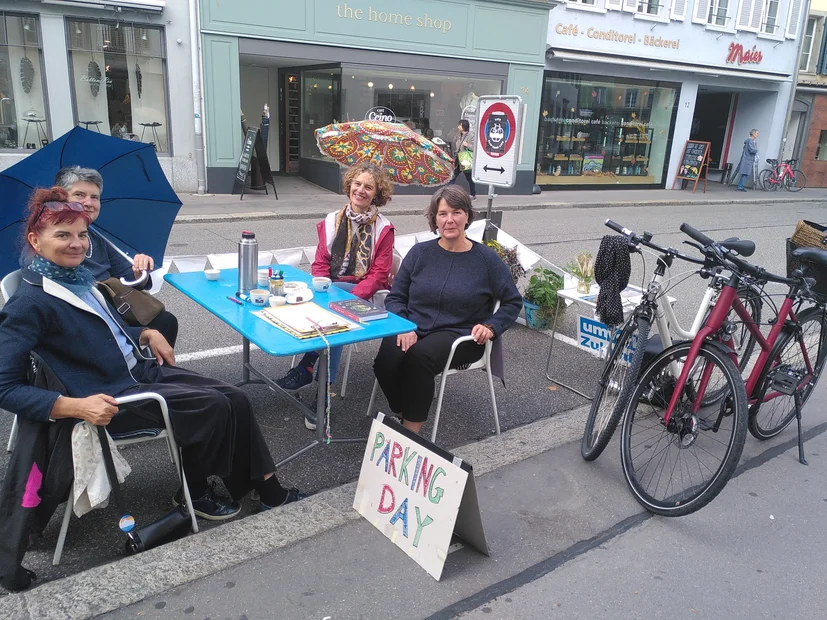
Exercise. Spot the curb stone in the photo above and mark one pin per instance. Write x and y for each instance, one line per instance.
(131, 579)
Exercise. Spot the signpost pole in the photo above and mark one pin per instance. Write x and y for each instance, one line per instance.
(489, 234)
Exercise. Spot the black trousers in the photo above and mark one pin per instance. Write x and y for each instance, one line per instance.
(167, 324)
(407, 378)
(212, 421)
(472, 187)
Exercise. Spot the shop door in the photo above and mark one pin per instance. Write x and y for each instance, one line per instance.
(709, 123)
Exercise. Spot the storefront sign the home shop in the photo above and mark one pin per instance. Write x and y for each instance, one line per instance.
(346, 11)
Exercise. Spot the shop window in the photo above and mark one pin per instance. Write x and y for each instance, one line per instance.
(769, 17)
(23, 114)
(718, 12)
(118, 74)
(821, 151)
(807, 45)
(622, 137)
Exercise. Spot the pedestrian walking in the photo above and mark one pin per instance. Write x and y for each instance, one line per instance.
(748, 158)
(463, 149)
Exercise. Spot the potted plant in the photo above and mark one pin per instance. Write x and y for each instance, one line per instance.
(540, 298)
(582, 269)
(509, 257)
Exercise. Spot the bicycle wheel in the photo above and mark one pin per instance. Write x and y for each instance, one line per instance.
(761, 181)
(767, 419)
(796, 182)
(615, 387)
(678, 468)
(772, 181)
(743, 340)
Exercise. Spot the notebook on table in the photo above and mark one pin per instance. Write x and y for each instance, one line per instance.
(358, 309)
(305, 320)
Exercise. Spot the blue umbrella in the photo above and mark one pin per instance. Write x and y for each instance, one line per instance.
(138, 205)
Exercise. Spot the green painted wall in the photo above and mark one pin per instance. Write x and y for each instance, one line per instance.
(222, 99)
(527, 82)
(503, 31)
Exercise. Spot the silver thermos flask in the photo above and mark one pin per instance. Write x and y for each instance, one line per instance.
(247, 263)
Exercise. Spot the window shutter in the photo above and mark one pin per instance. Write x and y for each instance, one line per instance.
(822, 57)
(795, 17)
(630, 5)
(614, 5)
(756, 15)
(679, 9)
(744, 13)
(701, 11)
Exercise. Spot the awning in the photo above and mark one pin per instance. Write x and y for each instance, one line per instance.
(153, 6)
(655, 65)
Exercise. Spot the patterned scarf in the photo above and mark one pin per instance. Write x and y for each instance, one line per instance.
(78, 279)
(612, 269)
(352, 248)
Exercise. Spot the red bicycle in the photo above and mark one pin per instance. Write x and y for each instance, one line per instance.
(782, 175)
(686, 423)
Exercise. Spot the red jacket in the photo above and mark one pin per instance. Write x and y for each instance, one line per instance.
(381, 263)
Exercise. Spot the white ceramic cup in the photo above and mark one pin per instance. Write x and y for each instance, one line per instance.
(212, 274)
(263, 277)
(294, 286)
(277, 300)
(321, 284)
(259, 297)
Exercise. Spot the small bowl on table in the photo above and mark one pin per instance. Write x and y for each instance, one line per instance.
(212, 274)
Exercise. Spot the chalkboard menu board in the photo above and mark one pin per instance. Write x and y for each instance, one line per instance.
(694, 163)
(253, 143)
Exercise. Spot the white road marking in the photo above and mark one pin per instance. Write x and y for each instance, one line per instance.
(200, 355)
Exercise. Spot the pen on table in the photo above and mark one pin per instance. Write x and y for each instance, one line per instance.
(238, 301)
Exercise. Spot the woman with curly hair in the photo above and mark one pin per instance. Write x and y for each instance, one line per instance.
(355, 250)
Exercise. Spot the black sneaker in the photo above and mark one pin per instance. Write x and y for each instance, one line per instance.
(293, 495)
(295, 379)
(210, 506)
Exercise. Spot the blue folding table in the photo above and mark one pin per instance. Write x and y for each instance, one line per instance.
(213, 295)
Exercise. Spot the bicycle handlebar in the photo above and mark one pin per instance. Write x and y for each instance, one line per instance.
(637, 239)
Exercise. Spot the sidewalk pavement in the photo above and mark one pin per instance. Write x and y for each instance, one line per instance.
(301, 199)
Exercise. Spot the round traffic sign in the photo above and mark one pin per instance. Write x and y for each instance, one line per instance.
(497, 130)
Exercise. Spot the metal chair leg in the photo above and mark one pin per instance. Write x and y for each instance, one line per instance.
(12, 436)
(343, 391)
(64, 527)
(439, 405)
(373, 393)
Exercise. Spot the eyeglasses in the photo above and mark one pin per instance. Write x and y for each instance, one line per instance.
(54, 205)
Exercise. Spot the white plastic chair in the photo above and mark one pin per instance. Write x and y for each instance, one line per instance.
(164, 433)
(8, 286)
(484, 363)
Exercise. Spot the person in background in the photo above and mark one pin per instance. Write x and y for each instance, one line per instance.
(447, 287)
(58, 314)
(355, 250)
(463, 142)
(748, 158)
(426, 129)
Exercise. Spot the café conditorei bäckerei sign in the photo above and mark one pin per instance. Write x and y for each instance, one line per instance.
(584, 37)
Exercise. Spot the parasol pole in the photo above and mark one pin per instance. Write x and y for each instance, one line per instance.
(124, 281)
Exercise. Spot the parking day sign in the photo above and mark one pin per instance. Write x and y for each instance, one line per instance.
(497, 148)
(417, 495)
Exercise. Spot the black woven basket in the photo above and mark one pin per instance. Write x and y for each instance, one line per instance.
(810, 269)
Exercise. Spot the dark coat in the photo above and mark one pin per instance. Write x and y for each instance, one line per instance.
(748, 157)
(73, 340)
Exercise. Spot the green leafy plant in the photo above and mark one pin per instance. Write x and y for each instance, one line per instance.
(542, 288)
(509, 257)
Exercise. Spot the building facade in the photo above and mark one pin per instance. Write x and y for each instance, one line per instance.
(628, 82)
(119, 67)
(808, 122)
(314, 62)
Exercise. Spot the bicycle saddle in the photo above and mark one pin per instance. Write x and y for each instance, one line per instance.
(812, 254)
(772, 162)
(742, 246)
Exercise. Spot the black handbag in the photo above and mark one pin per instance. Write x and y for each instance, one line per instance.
(172, 526)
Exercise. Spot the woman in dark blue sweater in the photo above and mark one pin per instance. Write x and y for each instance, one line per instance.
(448, 287)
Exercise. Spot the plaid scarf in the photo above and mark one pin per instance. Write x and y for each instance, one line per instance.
(352, 247)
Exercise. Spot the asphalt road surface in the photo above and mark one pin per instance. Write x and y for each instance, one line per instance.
(557, 234)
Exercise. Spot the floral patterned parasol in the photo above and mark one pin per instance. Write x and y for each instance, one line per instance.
(407, 157)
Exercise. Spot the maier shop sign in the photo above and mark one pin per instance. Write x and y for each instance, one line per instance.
(417, 495)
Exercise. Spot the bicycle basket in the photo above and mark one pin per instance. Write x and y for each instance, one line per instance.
(810, 269)
(810, 235)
